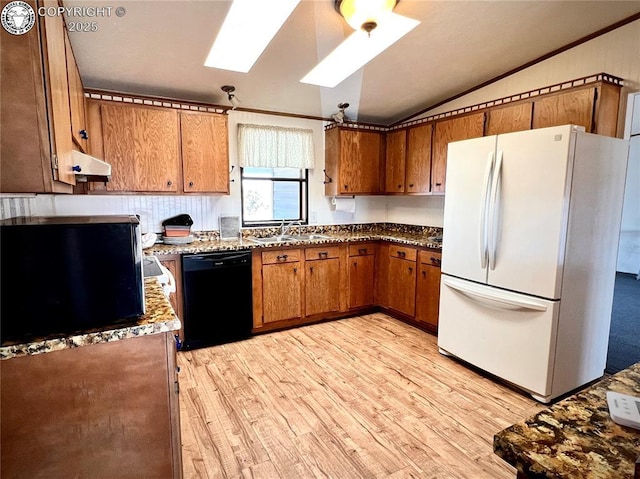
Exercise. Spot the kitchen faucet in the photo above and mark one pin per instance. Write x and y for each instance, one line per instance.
(284, 229)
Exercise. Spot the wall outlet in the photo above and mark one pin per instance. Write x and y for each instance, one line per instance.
(313, 217)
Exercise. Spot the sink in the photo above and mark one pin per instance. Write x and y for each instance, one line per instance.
(272, 239)
(285, 238)
(307, 237)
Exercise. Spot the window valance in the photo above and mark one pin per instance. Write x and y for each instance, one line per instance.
(263, 146)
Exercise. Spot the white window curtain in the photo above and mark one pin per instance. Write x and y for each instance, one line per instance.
(261, 146)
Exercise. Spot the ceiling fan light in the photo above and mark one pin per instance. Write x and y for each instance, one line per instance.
(365, 14)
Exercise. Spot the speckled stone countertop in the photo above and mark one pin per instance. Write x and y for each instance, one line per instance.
(421, 236)
(159, 318)
(576, 437)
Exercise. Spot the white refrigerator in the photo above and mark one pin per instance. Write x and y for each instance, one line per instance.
(531, 228)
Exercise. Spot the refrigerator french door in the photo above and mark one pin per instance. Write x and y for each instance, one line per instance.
(526, 217)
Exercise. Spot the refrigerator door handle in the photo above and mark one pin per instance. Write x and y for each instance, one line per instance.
(495, 297)
(484, 206)
(494, 210)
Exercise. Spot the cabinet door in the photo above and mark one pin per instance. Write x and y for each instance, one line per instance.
(360, 157)
(395, 161)
(402, 285)
(418, 165)
(428, 293)
(76, 100)
(575, 107)
(510, 118)
(322, 286)
(446, 131)
(205, 156)
(142, 146)
(282, 291)
(59, 84)
(361, 280)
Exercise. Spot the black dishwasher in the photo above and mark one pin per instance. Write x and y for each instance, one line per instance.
(217, 298)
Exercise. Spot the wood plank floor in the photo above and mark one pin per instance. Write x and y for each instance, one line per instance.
(367, 396)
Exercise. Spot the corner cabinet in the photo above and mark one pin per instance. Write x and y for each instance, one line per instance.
(354, 161)
(35, 111)
(161, 150)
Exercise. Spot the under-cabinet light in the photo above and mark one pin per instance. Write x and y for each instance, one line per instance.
(358, 50)
(247, 30)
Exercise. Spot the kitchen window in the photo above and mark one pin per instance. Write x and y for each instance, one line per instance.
(270, 195)
(274, 163)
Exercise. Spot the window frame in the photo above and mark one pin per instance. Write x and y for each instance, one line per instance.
(303, 191)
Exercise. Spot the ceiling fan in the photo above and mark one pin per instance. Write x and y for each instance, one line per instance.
(251, 24)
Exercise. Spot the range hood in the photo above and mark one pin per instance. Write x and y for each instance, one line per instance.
(89, 168)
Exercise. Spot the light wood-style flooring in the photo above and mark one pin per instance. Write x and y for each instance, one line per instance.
(367, 396)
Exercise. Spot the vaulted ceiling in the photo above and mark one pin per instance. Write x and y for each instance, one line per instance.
(158, 48)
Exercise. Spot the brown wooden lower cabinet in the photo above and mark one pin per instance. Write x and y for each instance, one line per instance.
(323, 286)
(361, 275)
(402, 285)
(282, 285)
(428, 289)
(101, 410)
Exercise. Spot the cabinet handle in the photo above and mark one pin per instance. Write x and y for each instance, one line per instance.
(355, 265)
(410, 185)
(438, 184)
(424, 273)
(362, 251)
(323, 253)
(410, 269)
(401, 254)
(295, 270)
(282, 257)
(436, 261)
(399, 187)
(83, 134)
(346, 187)
(169, 183)
(191, 184)
(310, 269)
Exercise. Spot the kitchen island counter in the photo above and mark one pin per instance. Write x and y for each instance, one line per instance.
(576, 437)
(159, 318)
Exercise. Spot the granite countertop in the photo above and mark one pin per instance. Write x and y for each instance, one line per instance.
(159, 318)
(576, 437)
(403, 234)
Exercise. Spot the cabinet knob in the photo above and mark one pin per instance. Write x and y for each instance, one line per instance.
(282, 257)
(346, 187)
(295, 270)
(438, 184)
(310, 269)
(410, 269)
(399, 187)
(355, 265)
(169, 183)
(191, 184)
(410, 185)
(83, 134)
(424, 273)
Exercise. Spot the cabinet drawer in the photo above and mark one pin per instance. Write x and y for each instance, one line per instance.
(430, 257)
(280, 256)
(322, 252)
(361, 249)
(402, 252)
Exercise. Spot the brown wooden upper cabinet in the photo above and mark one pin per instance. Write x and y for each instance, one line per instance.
(353, 161)
(510, 118)
(35, 112)
(595, 108)
(154, 149)
(79, 131)
(408, 160)
(453, 129)
(142, 146)
(205, 152)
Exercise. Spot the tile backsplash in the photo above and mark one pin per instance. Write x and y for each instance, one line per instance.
(153, 210)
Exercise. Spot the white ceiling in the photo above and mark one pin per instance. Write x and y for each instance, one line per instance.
(158, 48)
